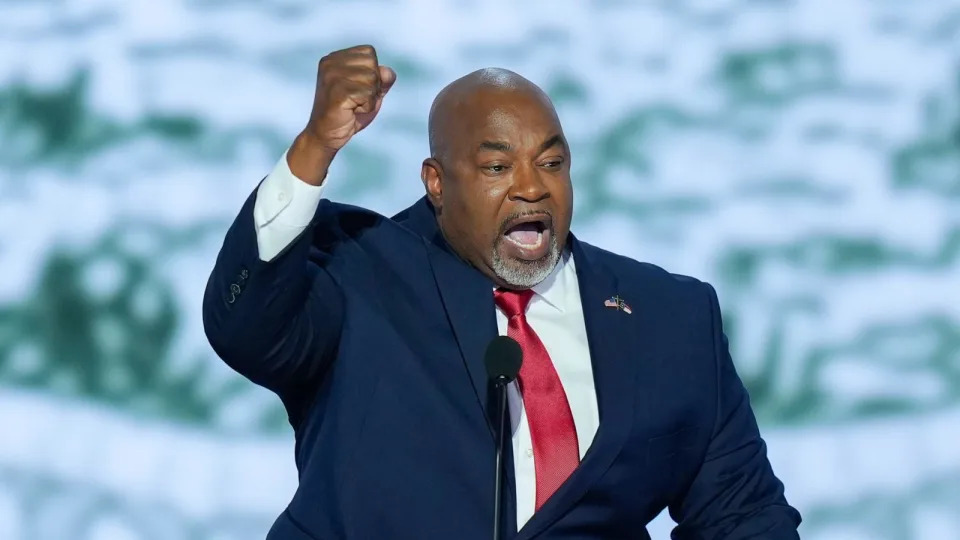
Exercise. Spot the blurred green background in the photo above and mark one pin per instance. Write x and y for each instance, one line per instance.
(803, 156)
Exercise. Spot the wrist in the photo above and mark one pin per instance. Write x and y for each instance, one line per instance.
(309, 159)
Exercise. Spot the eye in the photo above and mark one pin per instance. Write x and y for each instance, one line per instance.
(496, 168)
(552, 163)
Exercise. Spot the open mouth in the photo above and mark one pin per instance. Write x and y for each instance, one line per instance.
(528, 237)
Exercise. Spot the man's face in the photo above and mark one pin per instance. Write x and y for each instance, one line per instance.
(502, 185)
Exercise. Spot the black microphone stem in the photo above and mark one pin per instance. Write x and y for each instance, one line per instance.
(501, 386)
(503, 360)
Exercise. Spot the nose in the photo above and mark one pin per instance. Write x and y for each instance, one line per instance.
(528, 186)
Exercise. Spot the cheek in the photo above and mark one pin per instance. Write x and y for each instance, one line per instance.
(563, 195)
(561, 189)
(475, 202)
(486, 230)
(486, 224)
(473, 217)
(563, 186)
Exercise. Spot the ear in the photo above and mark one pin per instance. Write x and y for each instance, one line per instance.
(432, 175)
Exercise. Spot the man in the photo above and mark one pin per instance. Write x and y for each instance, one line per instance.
(372, 331)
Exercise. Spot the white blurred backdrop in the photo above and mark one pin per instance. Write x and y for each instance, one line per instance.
(803, 156)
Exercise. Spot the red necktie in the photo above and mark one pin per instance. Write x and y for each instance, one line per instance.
(555, 449)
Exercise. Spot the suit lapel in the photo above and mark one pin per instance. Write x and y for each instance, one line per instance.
(609, 333)
(467, 297)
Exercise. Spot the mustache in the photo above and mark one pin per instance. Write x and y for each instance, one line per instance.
(545, 215)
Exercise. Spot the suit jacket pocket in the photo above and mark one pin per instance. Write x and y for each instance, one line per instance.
(664, 447)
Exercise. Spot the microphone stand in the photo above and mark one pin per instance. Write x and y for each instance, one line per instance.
(500, 383)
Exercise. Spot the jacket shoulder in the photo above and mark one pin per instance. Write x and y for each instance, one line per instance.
(335, 223)
(631, 273)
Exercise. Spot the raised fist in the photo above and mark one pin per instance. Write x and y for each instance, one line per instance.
(350, 89)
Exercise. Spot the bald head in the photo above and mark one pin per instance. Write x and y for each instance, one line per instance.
(470, 92)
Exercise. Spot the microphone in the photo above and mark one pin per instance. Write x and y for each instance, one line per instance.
(503, 359)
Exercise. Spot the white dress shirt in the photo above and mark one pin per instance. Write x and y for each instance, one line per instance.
(283, 209)
(556, 315)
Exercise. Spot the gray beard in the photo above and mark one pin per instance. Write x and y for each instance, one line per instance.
(525, 274)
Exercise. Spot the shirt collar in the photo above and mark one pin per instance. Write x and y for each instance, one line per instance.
(556, 288)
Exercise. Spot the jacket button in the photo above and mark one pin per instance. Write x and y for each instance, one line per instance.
(244, 274)
(234, 288)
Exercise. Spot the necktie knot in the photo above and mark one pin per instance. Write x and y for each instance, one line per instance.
(513, 303)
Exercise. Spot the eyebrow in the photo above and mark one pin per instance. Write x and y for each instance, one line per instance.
(551, 142)
(500, 146)
(495, 146)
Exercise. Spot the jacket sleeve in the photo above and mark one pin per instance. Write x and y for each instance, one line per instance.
(735, 495)
(278, 322)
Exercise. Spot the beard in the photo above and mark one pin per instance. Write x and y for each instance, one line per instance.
(523, 274)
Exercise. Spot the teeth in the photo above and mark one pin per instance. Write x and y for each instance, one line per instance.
(535, 244)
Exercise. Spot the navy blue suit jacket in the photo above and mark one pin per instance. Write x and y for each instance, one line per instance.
(372, 333)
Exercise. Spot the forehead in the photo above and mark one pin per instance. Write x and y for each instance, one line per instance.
(516, 116)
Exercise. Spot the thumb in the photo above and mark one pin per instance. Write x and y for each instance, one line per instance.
(387, 77)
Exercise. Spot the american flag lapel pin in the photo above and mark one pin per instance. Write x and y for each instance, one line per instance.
(618, 303)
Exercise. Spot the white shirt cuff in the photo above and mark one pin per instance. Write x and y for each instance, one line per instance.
(284, 207)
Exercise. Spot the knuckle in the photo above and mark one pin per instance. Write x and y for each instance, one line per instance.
(364, 93)
(327, 77)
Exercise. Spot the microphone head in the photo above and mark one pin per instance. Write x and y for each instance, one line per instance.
(503, 358)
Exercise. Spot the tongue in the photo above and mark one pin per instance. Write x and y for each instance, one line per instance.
(525, 233)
